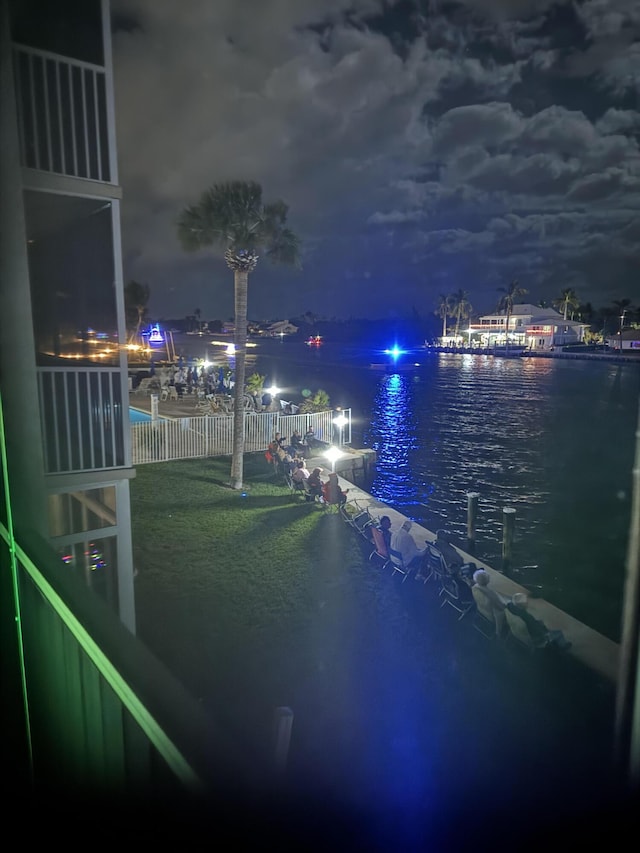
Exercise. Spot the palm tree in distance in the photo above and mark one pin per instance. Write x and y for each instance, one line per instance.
(232, 216)
(461, 308)
(444, 310)
(567, 300)
(507, 301)
(136, 298)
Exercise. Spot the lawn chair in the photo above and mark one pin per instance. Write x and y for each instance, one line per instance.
(457, 594)
(380, 547)
(435, 567)
(357, 517)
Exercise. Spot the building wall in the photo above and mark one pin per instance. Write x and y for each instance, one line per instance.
(66, 413)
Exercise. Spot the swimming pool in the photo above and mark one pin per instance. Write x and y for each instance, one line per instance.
(138, 417)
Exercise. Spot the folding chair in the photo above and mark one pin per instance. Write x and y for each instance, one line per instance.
(435, 567)
(357, 517)
(457, 594)
(380, 547)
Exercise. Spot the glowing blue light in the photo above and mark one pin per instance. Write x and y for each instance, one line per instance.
(395, 352)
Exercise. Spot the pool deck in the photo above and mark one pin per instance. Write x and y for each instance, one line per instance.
(588, 646)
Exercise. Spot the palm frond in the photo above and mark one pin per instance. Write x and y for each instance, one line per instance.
(285, 248)
(232, 216)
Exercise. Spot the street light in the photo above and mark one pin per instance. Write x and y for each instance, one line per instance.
(624, 311)
(333, 454)
(340, 421)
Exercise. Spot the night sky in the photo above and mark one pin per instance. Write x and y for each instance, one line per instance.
(422, 147)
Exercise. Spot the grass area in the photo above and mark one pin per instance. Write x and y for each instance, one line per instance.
(258, 600)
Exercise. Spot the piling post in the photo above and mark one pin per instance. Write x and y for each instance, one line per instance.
(508, 528)
(283, 723)
(154, 407)
(472, 514)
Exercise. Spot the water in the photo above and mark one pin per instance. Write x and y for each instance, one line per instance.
(552, 438)
(138, 417)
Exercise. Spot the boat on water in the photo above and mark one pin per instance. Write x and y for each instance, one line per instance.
(394, 368)
(314, 341)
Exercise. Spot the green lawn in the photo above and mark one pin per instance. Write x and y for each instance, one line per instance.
(258, 600)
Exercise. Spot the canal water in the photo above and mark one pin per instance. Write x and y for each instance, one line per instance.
(552, 438)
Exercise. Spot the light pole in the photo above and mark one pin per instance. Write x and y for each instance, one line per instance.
(340, 422)
(624, 311)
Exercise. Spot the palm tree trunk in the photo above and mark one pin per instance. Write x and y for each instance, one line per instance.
(240, 339)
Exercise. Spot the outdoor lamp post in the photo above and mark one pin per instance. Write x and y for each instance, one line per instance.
(624, 311)
(273, 390)
(340, 422)
(333, 454)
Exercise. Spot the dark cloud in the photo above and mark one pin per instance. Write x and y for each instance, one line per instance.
(420, 145)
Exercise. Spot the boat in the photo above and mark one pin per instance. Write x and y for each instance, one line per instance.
(394, 368)
(314, 341)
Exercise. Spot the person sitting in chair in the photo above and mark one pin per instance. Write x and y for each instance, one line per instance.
(538, 631)
(332, 493)
(385, 526)
(481, 579)
(297, 446)
(300, 472)
(451, 557)
(315, 484)
(403, 541)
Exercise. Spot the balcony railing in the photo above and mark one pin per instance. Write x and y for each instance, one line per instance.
(82, 419)
(63, 117)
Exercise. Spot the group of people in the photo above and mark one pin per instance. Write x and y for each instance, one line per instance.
(327, 491)
(470, 576)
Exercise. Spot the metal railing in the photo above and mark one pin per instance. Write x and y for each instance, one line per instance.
(82, 419)
(162, 440)
(62, 115)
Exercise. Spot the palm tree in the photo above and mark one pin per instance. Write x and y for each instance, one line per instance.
(444, 310)
(232, 216)
(136, 298)
(566, 300)
(461, 308)
(507, 301)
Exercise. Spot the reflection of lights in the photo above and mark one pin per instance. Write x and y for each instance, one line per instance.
(333, 454)
(226, 344)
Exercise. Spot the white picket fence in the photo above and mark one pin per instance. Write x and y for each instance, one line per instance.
(190, 438)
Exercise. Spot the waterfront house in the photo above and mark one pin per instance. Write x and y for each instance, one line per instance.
(530, 327)
(280, 328)
(629, 339)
